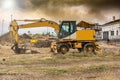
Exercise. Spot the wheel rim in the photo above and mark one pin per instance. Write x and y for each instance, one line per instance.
(89, 49)
(63, 50)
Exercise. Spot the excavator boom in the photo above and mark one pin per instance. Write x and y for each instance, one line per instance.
(14, 27)
(41, 24)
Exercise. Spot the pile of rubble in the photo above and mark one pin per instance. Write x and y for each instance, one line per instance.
(45, 42)
(42, 43)
(6, 40)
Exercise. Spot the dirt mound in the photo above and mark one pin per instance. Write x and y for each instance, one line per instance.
(25, 36)
(5, 38)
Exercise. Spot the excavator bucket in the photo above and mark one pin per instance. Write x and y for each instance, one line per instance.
(54, 48)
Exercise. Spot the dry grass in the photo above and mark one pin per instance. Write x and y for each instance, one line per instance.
(71, 66)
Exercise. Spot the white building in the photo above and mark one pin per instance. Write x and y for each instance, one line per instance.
(111, 30)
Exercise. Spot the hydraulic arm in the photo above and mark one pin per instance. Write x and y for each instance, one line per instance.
(14, 27)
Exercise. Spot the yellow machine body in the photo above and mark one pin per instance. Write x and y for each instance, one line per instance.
(85, 35)
(82, 35)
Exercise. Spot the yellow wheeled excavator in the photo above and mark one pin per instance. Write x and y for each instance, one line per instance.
(67, 33)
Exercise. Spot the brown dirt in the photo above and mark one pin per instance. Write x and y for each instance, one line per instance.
(71, 66)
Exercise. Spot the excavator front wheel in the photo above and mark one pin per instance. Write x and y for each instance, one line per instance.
(63, 48)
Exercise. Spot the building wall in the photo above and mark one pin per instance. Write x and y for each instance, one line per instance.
(113, 31)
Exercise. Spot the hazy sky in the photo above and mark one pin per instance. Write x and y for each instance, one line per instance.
(96, 11)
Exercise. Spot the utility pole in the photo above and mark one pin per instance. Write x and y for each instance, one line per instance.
(11, 17)
(2, 26)
(10, 31)
(119, 29)
(1, 30)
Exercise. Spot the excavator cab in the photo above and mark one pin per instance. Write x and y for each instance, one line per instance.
(67, 28)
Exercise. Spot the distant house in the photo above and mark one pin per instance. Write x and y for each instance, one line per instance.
(111, 30)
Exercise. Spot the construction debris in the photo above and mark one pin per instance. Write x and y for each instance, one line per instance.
(42, 43)
(25, 36)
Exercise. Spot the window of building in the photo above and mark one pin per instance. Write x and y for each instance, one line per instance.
(112, 33)
(117, 32)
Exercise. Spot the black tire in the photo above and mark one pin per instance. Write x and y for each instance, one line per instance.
(63, 48)
(89, 48)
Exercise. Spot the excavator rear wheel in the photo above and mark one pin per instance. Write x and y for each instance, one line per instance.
(89, 48)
